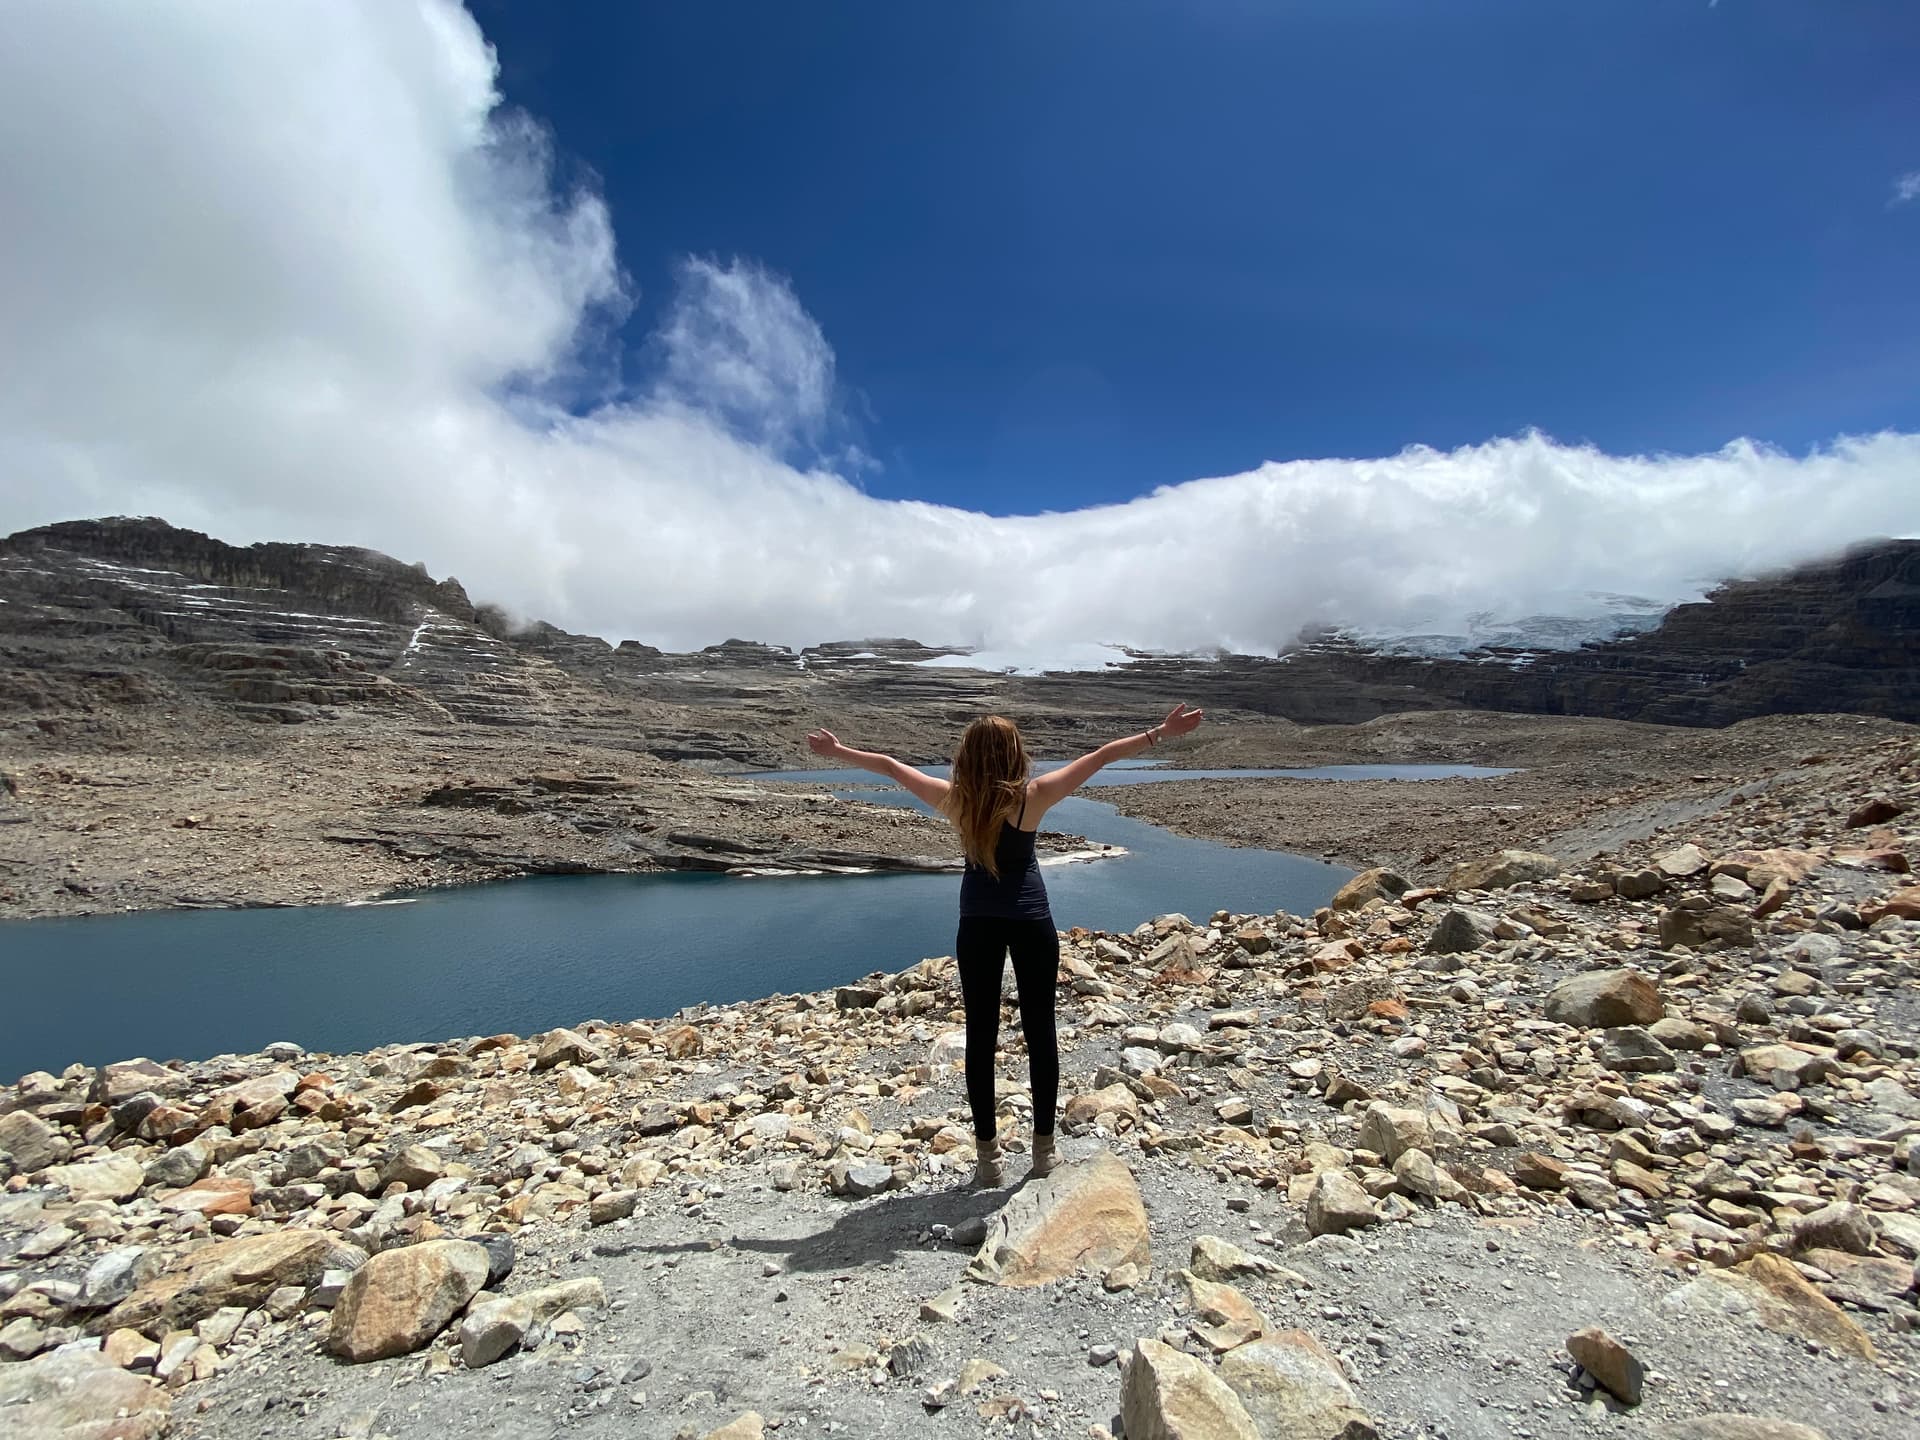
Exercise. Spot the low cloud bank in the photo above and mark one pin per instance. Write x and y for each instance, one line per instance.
(291, 272)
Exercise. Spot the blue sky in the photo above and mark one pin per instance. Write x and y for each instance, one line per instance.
(1200, 324)
(1065, 253)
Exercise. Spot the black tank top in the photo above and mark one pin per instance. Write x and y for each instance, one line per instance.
(1019, 893)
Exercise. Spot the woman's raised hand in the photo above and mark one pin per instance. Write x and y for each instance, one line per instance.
(1180, 720)
(822, 742)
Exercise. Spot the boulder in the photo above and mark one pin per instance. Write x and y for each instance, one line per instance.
(72, 1394)
(119, 1082)
(241, 1271)
(1697, 929)
(1770, 1290)
(1223, 1317)
(1632, 1051)
(415, 1167)
(112, 1177)
(1681, 862)
(1877, 811)
(401, 1299)
(1642, 884)
(1292, 1389)
(33, 1143)
(1388, 1131)
(115, 1276)
(1497, 872)
(251, 1104)
(179, 1167)
(1418, 1175)
(1337, 1204)
(1168, 1395)
(1539, 1172)
(1848, 1228)
(1366, 887)
(492, 1328)
(1461, 930)
(1086, 1217)
(1217, 1259)
(749, 1426)
(856, 1179)
(1793, 1065)
(1605, 998)
(565, 1047)
(1116, 1104)
(1614, 1367)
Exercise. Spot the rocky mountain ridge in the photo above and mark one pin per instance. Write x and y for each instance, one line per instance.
(98, 613)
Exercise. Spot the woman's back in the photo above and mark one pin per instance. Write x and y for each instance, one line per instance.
(1018, 892)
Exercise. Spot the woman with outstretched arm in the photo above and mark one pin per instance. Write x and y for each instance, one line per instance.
(995, 804)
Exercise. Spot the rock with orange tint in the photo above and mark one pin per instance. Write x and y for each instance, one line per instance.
(1290, 1386)
(401, 1299)
(242, 1271)
(212, 1195)
(1084, 1218)
(1770, 1290)
(1168, 1395)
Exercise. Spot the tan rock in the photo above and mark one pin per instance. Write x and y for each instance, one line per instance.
(1217, 1259)
(1802, 1066)
(401, 1299)
(1497, 872)
(1167, 1395)
(112, 1177)
(1292, 1389)
(1605, 998)
(1086, 1217)
(80, 1395)
(1771, 1290)
(210, 1195)
(1366, 887)
(130, 1350)
(1681, 862)
(749, 1426)
(493, 1327)
(565, 1047)
(1116, 1102)
(33, 1143)
(1223, 1317)
(242, 1271)
(1389, 1131)
(1337, 1204)
(1417, 1173)
(1610, 1363)
(681, 1041)
(416, 1167)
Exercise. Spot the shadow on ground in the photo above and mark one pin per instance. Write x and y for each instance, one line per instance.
(867, 1235)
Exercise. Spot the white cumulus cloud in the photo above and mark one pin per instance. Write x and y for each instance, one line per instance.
(289, 271)
(1905, 188)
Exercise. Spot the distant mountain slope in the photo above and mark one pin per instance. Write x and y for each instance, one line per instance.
(105, 613)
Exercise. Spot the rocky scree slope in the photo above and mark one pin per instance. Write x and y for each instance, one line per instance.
(1630, 1148)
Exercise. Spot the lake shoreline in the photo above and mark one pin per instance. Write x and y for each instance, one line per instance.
(1446, 1146)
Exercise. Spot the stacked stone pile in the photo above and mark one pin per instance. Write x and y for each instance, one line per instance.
(1703, 1050)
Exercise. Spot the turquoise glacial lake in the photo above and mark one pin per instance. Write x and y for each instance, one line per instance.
(526, 955)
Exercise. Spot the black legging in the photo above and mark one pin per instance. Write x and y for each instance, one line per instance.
(981, 952)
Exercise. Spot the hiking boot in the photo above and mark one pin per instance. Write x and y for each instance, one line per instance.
(1044, 1157)
(988, 1172)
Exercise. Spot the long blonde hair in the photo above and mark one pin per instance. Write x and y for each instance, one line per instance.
(989, 785)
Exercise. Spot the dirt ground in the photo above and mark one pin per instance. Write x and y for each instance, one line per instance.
(227, 813)
(1581, 786)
